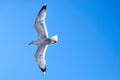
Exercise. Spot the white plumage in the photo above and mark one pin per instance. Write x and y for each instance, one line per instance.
(43, 40)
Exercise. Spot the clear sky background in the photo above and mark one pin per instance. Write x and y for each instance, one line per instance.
(88, 46)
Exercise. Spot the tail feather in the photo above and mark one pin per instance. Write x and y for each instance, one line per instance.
(55, 37)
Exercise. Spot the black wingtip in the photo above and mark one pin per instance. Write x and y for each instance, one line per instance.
(43, 69)
(44, 7)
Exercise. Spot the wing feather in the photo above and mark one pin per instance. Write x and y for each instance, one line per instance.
(40, 25)
(40, 57)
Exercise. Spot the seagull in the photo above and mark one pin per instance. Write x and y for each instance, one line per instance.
(43, 40)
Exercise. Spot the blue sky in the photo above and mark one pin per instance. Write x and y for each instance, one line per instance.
(88, 47)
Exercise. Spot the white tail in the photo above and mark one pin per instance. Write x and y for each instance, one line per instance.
(55, 38)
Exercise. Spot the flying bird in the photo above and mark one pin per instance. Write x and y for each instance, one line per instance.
(43, 40)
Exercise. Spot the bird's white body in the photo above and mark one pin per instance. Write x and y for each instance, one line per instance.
(43, 40)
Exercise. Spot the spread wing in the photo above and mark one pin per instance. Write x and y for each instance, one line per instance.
(40, 25)
(40, 57)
